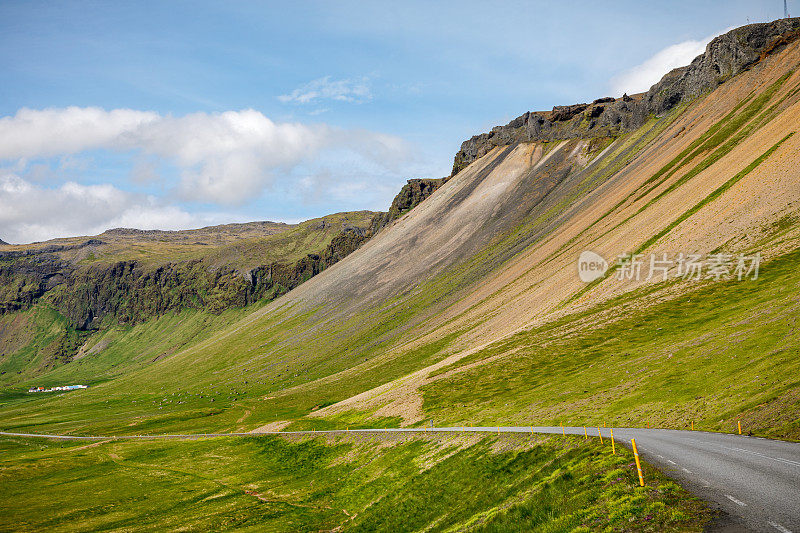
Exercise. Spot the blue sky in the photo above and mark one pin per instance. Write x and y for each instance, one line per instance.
(182, 114)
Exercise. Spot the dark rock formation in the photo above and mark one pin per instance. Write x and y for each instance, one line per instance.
(128, 291)
(412, 193)
(25, 279)
(50, 249)
(725, 56)
(561, 113)
(3, 243)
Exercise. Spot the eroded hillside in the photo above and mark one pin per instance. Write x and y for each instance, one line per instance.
(492, 255)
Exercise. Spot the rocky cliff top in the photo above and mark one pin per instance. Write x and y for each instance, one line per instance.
(412, 194)
(237, 229)
(725, 56)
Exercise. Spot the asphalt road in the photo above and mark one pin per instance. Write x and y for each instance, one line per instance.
(755, 481)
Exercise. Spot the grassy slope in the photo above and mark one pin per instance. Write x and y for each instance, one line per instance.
(278, 367)
(108, 353)
(35, 343)
(713, 355)
(435, 483)
(637, 359)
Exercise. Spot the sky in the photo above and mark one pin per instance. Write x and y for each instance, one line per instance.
(174, 115)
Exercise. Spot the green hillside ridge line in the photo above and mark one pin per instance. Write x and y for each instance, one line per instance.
(130, 307)
(132, 275)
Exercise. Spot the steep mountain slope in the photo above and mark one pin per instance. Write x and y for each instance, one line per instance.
(240, 262)
(489, 255)
(55, 295)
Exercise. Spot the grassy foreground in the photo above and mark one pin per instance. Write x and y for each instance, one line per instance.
(347, 482)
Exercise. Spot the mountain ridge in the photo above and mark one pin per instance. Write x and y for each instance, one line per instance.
(725, 56)
(214, 267)
(489, 255)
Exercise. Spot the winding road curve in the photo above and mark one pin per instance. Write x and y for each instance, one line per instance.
(755, 481)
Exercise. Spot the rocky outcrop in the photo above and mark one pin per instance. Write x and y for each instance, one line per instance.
(3, 243)
(724, 57)
(49, 249)
(25, 279)
(130, 292)
(412, 193)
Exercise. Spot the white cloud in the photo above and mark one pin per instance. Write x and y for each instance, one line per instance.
(643, 76)
(229, 157)
(29, 212)
(49, 132)
(224, 158)
(347, 90)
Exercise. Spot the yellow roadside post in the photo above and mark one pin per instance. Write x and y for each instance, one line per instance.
(692, 425)
(498, 429)
(531, 430)
(562, 430)
(740, 427)
(601, 436)
(613, 448)
(638, 466)
(585, 435)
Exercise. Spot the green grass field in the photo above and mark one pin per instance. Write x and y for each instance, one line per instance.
(355, 483)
